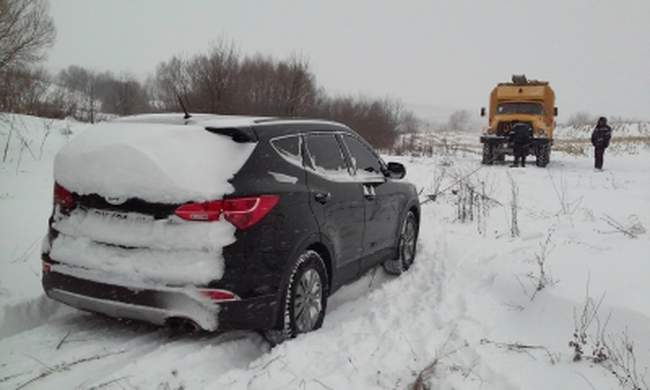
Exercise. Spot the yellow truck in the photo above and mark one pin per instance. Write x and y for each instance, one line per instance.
(525, 101)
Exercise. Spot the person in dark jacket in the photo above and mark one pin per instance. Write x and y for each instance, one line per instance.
(520, 139)
(600, 138)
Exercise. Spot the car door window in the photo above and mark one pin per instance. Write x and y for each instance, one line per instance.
(289, 148)
(364, 161)
(326, 158)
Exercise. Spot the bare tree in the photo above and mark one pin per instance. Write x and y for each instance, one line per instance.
(213, 77)
(514, 207)
(580, 119)
(24, 90)
(170, 81)
(76, 78)
(224, 82)
(460, 120)
(299, 92)
(26, 30)
(409, 123)
(85, 83)
(123, 95)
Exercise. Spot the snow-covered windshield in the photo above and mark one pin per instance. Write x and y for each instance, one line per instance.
(520, 108)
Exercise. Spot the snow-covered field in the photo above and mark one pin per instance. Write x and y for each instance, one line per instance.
(627, 137)
(476, 311)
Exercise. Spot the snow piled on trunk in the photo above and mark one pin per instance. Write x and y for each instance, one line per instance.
(145, 265)
(163, 234)
(153, 162)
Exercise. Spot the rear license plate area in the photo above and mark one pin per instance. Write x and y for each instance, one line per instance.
(122, 216)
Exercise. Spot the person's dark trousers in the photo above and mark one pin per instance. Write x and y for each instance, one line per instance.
(520, 155)
(598, 154)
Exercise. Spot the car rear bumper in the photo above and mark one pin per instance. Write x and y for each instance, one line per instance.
(158, 306)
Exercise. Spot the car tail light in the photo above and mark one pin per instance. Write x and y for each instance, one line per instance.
(63, 197)
(241, 212)
(246, 212)
(206, 211)
(218, 295)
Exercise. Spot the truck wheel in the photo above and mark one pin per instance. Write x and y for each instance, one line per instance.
(488, 154)
(542, 155)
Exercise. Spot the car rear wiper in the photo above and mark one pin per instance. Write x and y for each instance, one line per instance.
(237, 135)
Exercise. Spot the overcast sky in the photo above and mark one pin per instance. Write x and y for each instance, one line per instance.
(433, 55)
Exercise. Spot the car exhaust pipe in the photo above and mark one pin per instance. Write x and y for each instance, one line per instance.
(182, 325)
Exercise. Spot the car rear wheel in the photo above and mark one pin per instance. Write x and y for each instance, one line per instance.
(304, 299)
(407, 246)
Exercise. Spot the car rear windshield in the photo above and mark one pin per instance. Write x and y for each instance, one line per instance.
(520, 108)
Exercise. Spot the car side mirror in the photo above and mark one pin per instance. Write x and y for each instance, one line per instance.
(395, 170)
(555, 111)
(482, 111)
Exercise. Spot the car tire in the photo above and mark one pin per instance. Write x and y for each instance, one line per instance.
(407, 246)
(303, 300)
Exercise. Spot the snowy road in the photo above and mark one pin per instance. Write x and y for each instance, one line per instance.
(467, 304)
(77, 350)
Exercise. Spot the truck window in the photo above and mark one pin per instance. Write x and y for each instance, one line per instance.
(520, 108)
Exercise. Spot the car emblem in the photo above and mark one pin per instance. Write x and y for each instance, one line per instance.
(116, 200)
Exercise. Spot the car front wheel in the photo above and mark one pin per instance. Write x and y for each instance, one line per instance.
(407, 245)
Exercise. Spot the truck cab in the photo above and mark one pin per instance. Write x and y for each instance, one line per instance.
(525, 101)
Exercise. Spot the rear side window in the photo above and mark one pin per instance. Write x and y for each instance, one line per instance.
(326, 157)
(363, 160)
(289, 148)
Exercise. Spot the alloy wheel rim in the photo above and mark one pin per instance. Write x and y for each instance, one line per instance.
(408, 242)
(308, 304)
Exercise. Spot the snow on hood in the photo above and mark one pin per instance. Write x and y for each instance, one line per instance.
(154, 162)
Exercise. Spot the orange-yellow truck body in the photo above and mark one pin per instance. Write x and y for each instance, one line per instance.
(522, 101)
(540, 93)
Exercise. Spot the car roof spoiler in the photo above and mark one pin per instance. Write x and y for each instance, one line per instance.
(239, 135)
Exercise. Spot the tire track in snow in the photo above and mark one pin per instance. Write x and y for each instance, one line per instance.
(362, 336)
(138, 348)
(27, 352)
(28, 314)
(367, 321)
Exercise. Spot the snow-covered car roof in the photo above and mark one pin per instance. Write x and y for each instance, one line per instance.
(211, 120)
(217, 121)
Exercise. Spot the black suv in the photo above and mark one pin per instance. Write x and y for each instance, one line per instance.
(313, 208)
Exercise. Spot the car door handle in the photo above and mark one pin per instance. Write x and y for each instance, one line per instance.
(322, 197)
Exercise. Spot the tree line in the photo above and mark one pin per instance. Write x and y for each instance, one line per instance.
(221, 80)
